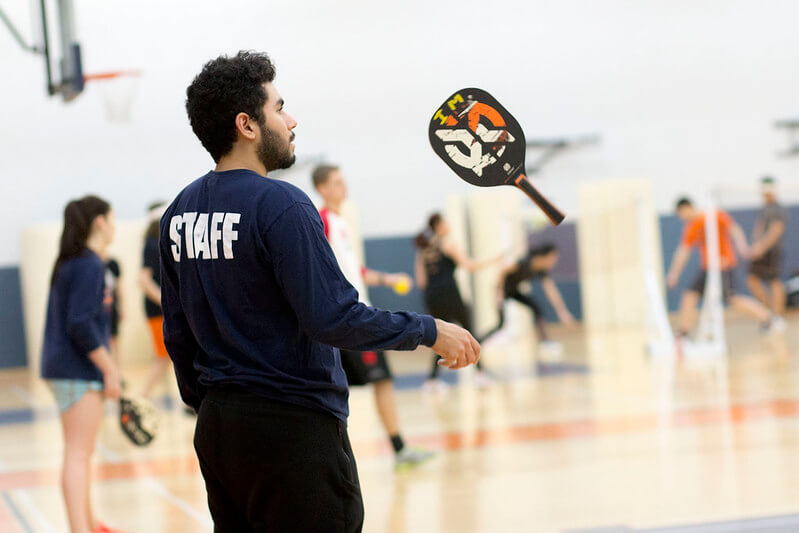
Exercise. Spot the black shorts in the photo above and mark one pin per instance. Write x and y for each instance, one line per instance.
(727, 283)
(114, 322)
(363, 368)
(272, 466)
(768, 266)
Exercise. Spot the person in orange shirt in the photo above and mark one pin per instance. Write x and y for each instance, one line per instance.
(150, 282)
(694, 236)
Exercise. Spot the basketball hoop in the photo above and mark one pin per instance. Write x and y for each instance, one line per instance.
(118, 90)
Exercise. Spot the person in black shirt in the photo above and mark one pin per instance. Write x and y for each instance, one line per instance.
(150, 282)
(114, 272)
(437, 257)
(255, 311)
(767, 250)
(536, 265)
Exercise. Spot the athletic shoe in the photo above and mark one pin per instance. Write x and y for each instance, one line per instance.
(102, 528)
(409, 457)
(550, 350)
(434, 385)
(776, 325)
(482, 379)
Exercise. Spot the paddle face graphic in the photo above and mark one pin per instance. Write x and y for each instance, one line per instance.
(478, 139)
(483, 144)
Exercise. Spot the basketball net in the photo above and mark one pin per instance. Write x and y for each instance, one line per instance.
(118, 90)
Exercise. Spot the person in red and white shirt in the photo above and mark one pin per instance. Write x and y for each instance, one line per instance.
(363, 368)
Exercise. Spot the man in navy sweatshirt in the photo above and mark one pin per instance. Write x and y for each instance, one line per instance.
(255, 309)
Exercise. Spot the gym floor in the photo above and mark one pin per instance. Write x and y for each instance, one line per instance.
(604, 440)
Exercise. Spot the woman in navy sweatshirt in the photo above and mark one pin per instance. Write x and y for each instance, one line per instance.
(75, 358)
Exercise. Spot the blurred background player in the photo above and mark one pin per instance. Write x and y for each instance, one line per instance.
(767, 250)
(150, 283)
(536, 265)
(694, 235)
(76, 361)
(437, 257)
(363, 368)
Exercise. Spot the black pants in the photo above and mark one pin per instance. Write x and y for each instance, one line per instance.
(448, 305)
(276, 467)
(529, 301)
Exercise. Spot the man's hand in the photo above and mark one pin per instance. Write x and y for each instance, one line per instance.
(671, 280)
(455, 345)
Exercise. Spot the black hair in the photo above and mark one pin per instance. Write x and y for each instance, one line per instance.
(225, 87)
(78, 218)
(541, 250)
(422, 240)
(153, 229)
(768, 180)
(683, 202)
(321, 173)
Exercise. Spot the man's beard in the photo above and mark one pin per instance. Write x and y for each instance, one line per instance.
(272, 152)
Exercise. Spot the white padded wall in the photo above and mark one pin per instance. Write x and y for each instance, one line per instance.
(495, 228)
(613, 213)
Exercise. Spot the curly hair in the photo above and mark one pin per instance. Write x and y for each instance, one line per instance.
(225, 87)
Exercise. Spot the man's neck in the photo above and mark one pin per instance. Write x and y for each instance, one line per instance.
(235, 161)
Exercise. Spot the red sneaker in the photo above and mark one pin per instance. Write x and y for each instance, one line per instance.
(102, 528)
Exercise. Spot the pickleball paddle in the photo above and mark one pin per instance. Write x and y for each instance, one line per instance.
(138, 420)
(484, 145)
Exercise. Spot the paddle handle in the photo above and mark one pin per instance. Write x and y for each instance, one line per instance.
(553, 213)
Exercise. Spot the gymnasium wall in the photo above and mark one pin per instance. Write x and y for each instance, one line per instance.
(685, 112)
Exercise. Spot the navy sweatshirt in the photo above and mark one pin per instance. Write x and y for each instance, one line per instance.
(253, 297)
(78, 319)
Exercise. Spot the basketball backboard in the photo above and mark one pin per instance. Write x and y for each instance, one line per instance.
(56, 42)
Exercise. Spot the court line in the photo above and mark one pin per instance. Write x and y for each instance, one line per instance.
(22, 394)
(573, 429)
(181, 504)
(25, 498)
(108, 454)
(17, 513)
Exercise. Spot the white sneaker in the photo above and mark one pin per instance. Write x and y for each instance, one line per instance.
(411, 457)
(777, 325)
(434, 385)
(550, 350)
(482, 379)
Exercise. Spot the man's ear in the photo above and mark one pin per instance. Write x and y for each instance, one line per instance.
(246, 126)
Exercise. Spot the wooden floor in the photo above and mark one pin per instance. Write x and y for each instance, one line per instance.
(603, 440)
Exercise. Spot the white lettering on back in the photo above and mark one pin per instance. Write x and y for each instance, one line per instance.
(201, 248)
(188, 231)
(174, 235)
(216, 233)
(229, 234)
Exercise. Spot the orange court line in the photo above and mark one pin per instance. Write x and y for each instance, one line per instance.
(701, 416)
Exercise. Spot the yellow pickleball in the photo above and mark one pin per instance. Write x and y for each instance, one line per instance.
(402, 287)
